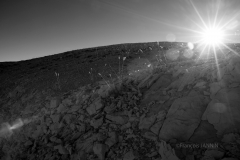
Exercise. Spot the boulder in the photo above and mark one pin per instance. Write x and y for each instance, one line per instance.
(172, 54)
(100, 150)
(75, 108)
(205, 133)
(223, 111)
(183, 118)
(162, 82)
(54, 103)
(91, 110)
(214, 88)
(159, 122)
(96, 123)
(94, 107)
(62, 108)
(117, 119)
(129, 156)
(113, 139)
(55, 118)
(61, 149)
(146, 122)
(214, 154)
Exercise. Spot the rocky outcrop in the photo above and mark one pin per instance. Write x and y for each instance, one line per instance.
(223, 111)
(183, 118)
(178, 110)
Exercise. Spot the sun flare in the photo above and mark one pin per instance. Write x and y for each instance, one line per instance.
(213, 36)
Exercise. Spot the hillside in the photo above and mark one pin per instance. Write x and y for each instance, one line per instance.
(154, 101)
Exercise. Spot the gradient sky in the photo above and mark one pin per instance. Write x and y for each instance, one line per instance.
(36, 28)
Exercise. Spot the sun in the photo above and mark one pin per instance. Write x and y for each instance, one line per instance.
(212, 36)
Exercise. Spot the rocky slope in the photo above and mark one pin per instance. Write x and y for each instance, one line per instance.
(170, 105)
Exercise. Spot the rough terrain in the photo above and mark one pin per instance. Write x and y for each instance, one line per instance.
(161, 101)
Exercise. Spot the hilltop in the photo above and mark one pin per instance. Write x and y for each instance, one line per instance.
(128, 101)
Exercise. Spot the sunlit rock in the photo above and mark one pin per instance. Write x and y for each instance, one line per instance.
(188, 53)
(183, 118)
(223, 111)
(172, 54)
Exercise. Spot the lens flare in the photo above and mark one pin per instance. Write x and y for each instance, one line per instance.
(213, 36)
(190, 45)
(17, 124)
(6, 129)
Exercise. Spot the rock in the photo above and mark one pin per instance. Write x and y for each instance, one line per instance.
(72, 126)
(214, 88)
(152, 154)
(100, 150)
(205, 133)
(110, 108)
(183, 118)
(61, 149)
(156, 127)
(91, 110)
(223, 111)
(159, 122)
(54, 103)
(150, 135)
(214, 154)
(28, 143)
(48, 121)
(62, 108)
(98, 103)
(172, 141)
(94, 107)
(187, 79)
(157, 108)
(103, 91)
(18, 91)
(74, 108)
(200, 84)
(190, 157)
(56, 140)
(166, 152)
(117, 119)
(68, 118)
(76, 135)
(236, 72)
(162, 82)
(38, 132)
(75, 157)
(232, 149)
(229, 159)
(45, 111)
(112, 140)
(96, 123)
(153, 79)
(230, 138)
(233, 85)
(172, 54)
(126, 126)
(88, 142)
(143, 83)
(55, 118)
(154, 96)
(129, 156)
(55, 127)
(146, 122)
(206, 93)
(81, 117)
(67, 102)
(188, 53)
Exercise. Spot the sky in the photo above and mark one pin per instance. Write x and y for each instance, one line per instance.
(37, 28)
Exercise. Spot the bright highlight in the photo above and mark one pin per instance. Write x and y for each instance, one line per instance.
(213, 36)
